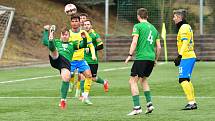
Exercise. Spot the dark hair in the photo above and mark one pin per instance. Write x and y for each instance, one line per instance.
(64, 29)
(83, 14)
(181, 12)
(143, 13)
(75, 16)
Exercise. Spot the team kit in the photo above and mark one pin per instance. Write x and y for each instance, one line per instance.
(76, 52)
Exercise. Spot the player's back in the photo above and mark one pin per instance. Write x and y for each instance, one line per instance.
(146, 41)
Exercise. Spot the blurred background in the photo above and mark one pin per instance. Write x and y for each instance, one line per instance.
(112, 19)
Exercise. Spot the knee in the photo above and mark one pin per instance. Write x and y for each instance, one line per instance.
(65, 76)
(183, 79)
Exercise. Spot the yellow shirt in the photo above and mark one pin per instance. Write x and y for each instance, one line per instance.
(185, 42)
(74, 36)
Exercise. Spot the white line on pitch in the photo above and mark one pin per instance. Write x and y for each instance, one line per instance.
(44, 77)
(104, 97)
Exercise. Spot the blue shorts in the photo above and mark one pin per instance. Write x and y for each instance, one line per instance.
(186, 67)
(81, 65)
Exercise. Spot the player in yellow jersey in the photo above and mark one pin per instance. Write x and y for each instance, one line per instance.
(78, 61)
(186, 56)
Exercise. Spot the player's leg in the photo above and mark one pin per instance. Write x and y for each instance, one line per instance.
(97, 79)
(72, 79)
(185, 70)
(85, 70)
(146, 69)
(134, 90)
(65, 75)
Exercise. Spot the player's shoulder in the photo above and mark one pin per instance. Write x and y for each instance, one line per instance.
(185, 26)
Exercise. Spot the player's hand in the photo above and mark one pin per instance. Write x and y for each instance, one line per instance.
(46, 27)
(83, 35)
(94, 58)
(155, 63)
(87, 50)
(178, 60)
(128, 58)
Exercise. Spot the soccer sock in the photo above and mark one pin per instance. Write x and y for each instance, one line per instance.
(99, 80)
(87, 84)
(78, 85)
(192, 88)
(64, 89)
(51, 46)
(136, 100)
(147, 96)
(82, 85)
(187, 90)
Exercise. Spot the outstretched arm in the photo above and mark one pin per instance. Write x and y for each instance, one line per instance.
(45, 37)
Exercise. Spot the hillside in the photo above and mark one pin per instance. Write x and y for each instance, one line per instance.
(24, 43)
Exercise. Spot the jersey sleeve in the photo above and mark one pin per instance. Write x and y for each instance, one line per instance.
(135, 30)
(184, 32)
(100, 41)
(45, 38)
(158, 37)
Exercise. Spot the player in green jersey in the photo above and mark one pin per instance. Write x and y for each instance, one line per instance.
(98, 44)
(60, 55)
(145, 42)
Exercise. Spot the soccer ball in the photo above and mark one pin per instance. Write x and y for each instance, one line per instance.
(70, 9)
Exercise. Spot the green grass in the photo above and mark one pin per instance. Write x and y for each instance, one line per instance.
(113, 105)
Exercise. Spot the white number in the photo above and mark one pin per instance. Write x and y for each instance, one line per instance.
(150, 37)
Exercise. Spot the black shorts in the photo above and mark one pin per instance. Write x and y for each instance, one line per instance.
(60, 62)
(93, 68)
(142, 68)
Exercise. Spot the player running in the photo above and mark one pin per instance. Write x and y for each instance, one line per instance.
(60, 55)
(186, 56)
(98, 44)
(145, 38)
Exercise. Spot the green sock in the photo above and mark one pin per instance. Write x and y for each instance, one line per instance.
(136, 100)
(147, 96)
(51, 46)
(64, 89)
(82, 85)
(99, 80)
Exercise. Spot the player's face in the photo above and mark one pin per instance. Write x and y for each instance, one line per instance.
(83, 18)
(87, 25)
(65, 36)
(75, 23)
(177, 18)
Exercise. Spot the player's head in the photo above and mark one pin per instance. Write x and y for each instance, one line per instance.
(179, 15)
(64, 34)
(75, 21)
(87, 24)
(142, 13)
(83, 17)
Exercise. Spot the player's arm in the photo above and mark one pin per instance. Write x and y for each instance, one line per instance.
(45, 37)
(99, 45)
(184, 39)
(158, 50)
(90, 45)
(132, 47)
(82, 43)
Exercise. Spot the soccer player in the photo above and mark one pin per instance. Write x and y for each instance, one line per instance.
(78, 61)
(83, 17)
(145, 38)
(98, 44)
(186, 56)
(60, 55)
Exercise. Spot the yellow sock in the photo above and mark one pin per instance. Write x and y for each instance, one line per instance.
(72, 79)
(78, 85)
(192, 88)
(187, 90)
(87, 84)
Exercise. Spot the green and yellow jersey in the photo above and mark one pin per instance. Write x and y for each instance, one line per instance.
(88, 56)
(147, 37)
(76, 36)
(185, 35)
